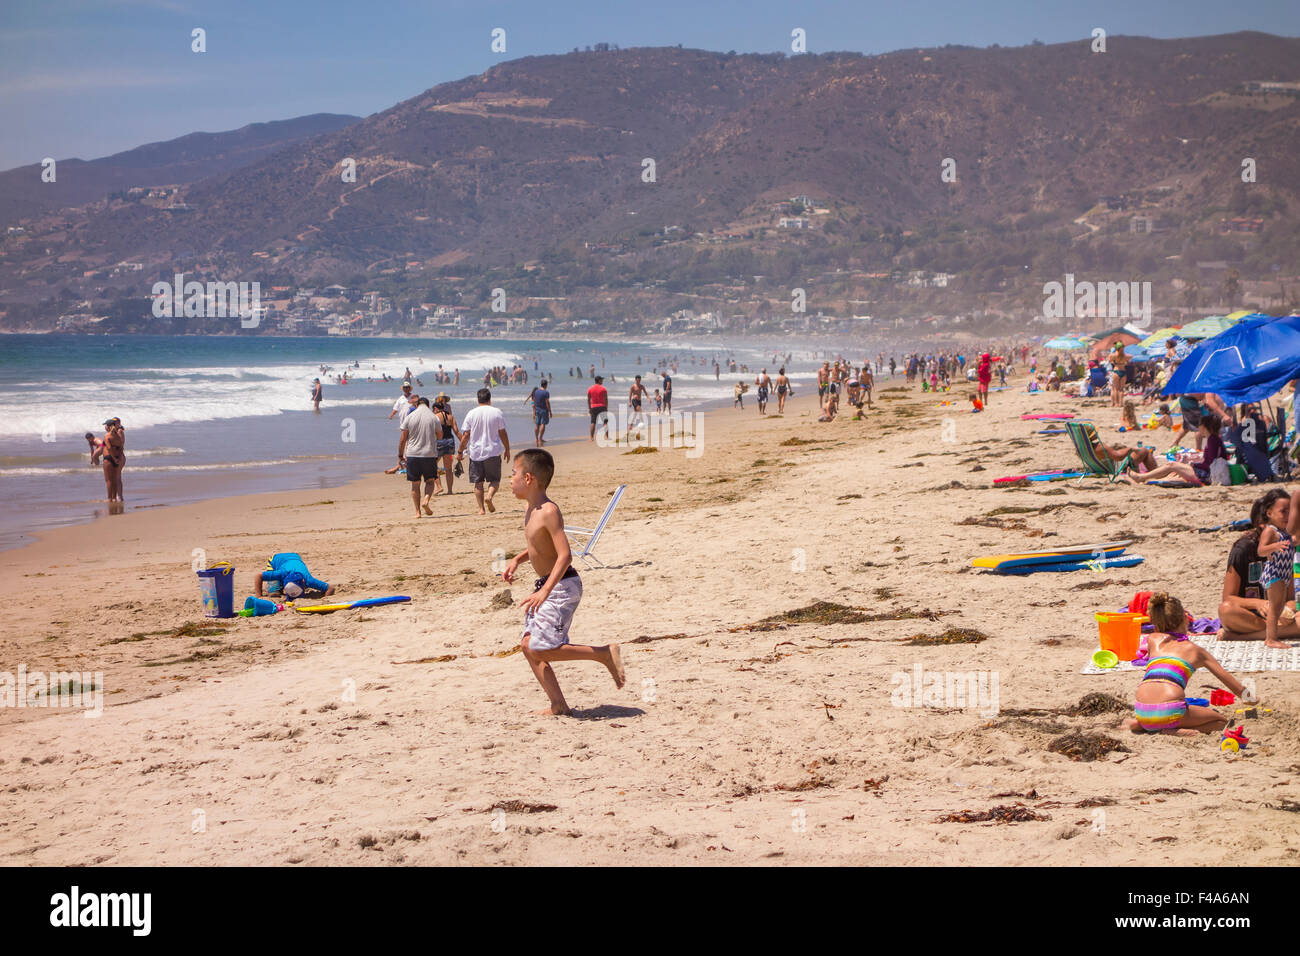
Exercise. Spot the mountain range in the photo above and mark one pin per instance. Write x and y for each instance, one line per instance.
(180, 161)
(1025, 159)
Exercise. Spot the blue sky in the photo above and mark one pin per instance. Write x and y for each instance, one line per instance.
(84, 79)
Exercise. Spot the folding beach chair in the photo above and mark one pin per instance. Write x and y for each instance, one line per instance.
(592, 535)
(1096, 464)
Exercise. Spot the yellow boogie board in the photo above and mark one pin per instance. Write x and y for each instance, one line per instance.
(1108, 549)
(368, 602)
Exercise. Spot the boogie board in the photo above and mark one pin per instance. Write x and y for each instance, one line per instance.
(368, 602)
(1119, 561)
(1079, 552)
(1040, 476)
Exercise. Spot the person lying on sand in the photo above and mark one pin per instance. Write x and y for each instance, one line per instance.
(288, 572)
(1160, 705)
(549, 610)
(1244, 605)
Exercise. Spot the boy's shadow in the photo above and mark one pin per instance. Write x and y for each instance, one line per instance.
(606, 712)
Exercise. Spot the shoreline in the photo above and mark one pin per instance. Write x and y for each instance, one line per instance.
(305, 483)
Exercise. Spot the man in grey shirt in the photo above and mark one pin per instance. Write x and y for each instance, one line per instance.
(419, 449)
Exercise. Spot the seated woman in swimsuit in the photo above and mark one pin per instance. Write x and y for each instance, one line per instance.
(1244, 603)
(1160, 705)
(1195, 472)
(1139, 456)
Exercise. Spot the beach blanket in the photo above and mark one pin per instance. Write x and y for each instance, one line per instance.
(1237, 657)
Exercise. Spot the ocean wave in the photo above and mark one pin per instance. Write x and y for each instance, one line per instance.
(135, 469)
(35, 461)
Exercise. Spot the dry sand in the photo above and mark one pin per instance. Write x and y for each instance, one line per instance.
(726, 746)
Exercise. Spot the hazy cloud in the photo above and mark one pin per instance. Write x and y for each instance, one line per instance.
(75, 81)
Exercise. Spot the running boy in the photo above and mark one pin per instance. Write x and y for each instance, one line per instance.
(548, 611)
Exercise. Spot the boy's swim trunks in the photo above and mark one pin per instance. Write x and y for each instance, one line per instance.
(549, 627)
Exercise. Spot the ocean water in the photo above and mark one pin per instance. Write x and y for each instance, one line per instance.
(212, 416)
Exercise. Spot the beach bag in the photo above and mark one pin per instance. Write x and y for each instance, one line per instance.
(1220, 473)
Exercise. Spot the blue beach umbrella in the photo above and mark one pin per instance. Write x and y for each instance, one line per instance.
(1065, 343)
(1246, 363)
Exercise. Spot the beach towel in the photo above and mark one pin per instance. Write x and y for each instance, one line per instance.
(1237, 657)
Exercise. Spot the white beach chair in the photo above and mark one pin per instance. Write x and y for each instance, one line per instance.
(593, 535)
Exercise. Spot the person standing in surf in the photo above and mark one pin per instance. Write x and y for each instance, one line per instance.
(113, 451)
(317, 393)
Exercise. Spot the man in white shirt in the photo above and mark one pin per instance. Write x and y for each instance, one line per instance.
(401, 408)
(484, 433)
(419, 447)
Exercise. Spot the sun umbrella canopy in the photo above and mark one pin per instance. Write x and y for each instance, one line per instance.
(1161, 336)
(1107, 342)
(1065, 343)
(1131, 331)
(1208, 327)
(1248, 362)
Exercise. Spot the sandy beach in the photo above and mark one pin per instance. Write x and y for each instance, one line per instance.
(231, 742)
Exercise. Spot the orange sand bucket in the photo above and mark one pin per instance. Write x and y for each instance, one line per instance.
(1120, 633)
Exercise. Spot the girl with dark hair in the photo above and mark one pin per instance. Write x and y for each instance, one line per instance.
(1244, 606)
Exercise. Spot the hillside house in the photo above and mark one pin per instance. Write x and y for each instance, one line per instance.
(1241, 224)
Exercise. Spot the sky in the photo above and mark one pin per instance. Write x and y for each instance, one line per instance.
(85, 79)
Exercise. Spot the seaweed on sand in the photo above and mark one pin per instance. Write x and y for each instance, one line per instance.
(815, 782)
(798, 441)
(1007, 813)
(519, 806)
(189, 629)
(1080, 746)
(1091, 705)
(819, 612)
(953, 635)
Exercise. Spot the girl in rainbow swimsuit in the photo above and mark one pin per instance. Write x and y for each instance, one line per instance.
(1161, 701)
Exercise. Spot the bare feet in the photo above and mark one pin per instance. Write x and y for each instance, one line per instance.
(552, 712)
(1281, 644)
(615, 666)
(490, 506)
(427, 509)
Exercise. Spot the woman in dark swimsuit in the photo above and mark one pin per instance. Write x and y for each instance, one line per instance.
(114, 452)
(450, 439)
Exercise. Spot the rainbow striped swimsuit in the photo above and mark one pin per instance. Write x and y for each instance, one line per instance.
(1168, 714)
